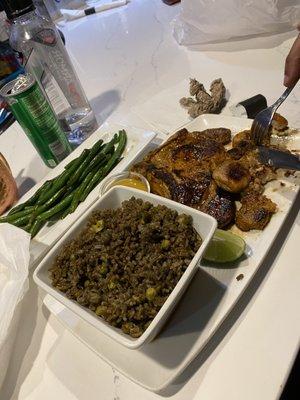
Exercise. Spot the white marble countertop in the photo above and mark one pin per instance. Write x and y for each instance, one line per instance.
(124, 57)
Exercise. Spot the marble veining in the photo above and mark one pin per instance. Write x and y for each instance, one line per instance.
(157, 47)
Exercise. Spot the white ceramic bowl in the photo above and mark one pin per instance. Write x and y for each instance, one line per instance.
(204, 224)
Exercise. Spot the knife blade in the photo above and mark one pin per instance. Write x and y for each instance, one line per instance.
(278, 159)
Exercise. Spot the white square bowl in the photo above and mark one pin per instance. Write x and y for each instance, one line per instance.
(204, 224)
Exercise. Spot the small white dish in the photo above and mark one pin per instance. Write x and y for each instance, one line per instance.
(204, 224)
(113, 180)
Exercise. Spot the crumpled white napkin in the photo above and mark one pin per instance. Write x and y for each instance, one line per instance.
(70, 15)
(14, 264)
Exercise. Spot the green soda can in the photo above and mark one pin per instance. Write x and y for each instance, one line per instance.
(35, 115)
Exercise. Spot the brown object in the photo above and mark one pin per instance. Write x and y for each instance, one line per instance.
(255, 213)
(195, 169)
(240, 138)
(202, 102)
(8, 187)
(279, 123)
(232, 176)
(181, 170)
(220, 135)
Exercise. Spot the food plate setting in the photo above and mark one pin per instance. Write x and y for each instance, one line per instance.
(149, 200)
(167, 345)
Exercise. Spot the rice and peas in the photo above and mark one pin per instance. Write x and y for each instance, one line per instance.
(126, 262)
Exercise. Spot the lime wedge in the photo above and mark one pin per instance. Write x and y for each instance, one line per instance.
(224, 247)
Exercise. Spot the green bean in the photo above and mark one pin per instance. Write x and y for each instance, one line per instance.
(57, 185)
(21, 221)
(92, 159)
(67, 211)
(84, 165)
(17, 209)
(56, 217)
(110, 145)
(12, 217)
(97, 161)
(26, 227)
(110, 164)
(36, 227)
(75, 177)
(61, 180)
(79, 192)
(71, 163)
(117, 154)
(85, 172)
(96, 148)
(31, 200)
(92, 183)
(55, 209)
(38, 210)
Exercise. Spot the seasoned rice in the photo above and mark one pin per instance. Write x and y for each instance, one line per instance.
(126, 262)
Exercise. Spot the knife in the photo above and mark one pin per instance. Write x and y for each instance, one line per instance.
(278, 159)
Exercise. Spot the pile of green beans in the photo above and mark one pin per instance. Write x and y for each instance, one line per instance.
(60, 196)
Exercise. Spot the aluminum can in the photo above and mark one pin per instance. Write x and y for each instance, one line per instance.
(34, 113)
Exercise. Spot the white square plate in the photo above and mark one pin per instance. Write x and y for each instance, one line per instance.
(204, 224)
(211, 296)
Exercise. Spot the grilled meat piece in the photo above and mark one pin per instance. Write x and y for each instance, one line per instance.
(265, 174)
(236, 153)
(222, 209)
(255, 186)
(172, 185)
(255, 213)
(232, 176)
(241, 145)
(279, 123)
(241, 137)
(257, 170)
(161, 157)
(187, 151)
(220, 135)
(207, 153)
(220, 205)
(196, 190)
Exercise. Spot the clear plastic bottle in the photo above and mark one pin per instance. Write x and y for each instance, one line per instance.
(39, 41)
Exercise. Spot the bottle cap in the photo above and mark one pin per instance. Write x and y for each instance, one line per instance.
(15, 8)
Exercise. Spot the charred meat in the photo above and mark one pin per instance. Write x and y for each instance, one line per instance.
(195, 169)
(220, 135)
(255, 213)
(232, 176)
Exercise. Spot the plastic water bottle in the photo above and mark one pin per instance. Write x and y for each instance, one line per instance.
(39, 41)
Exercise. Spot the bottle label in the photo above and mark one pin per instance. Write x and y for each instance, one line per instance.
(57, 99)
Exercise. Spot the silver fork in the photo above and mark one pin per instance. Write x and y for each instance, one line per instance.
(261, 124)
